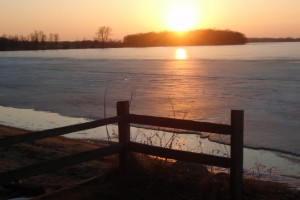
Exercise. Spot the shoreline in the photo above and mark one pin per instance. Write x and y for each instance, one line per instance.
(42, 124)
(253, 41)
(278, 164)
(225, 143)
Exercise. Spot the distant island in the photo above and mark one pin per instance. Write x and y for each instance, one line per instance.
(189, 38)
(38, 40)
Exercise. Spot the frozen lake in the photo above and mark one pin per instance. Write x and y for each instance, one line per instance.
(261, 79)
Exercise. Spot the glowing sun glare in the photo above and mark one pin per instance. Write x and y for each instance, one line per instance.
(180, 54)
(181, 18)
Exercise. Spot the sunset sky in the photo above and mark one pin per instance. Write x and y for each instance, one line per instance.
(78, 19)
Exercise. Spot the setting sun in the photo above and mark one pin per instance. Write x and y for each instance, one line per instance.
(181, 18)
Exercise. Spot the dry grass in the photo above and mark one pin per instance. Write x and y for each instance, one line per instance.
(150, 178)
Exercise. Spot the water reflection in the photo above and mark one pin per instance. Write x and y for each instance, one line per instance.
(180, 54)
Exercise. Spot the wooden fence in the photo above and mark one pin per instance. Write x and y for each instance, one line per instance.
(124, 146)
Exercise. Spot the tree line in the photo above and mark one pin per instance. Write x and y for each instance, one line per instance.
(287, 39)
(33, 41)
(38, 40)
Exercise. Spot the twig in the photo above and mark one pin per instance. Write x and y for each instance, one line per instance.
(104, 111)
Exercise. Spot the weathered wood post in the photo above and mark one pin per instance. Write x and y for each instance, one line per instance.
(236, 150)
(124, 133)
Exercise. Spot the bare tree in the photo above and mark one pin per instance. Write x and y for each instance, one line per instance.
(50, 37)
(34, 37)
(23, 38)
(103, 35)
(42, 37)
(55, 37)
(38, 36)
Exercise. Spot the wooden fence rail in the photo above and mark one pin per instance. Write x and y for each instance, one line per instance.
(16, 139)
(124, 118)
(180, 155)
(181, 124)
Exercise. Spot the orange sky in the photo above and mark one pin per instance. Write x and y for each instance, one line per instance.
(77, 19)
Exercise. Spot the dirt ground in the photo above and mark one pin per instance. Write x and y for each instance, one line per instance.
(147, 178)
(22, 155)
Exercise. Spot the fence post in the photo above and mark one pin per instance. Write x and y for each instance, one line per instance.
(124, 133)
(236, 150)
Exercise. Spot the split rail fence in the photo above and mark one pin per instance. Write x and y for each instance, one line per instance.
(124, 146)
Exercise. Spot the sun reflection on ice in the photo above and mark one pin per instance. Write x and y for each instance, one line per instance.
(180, 54)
